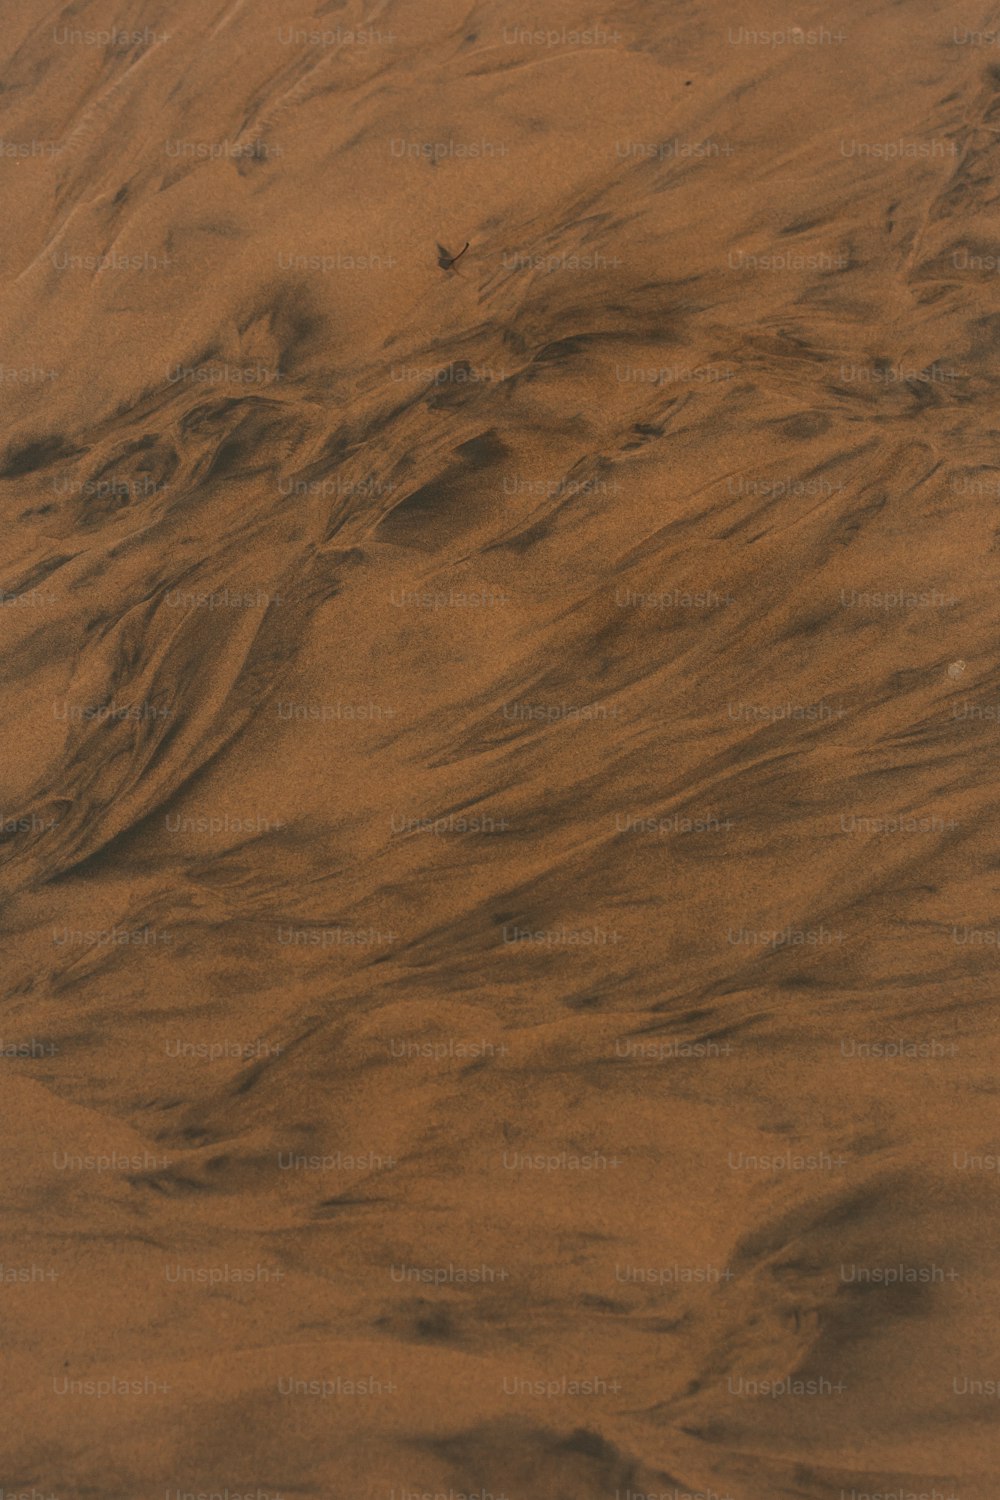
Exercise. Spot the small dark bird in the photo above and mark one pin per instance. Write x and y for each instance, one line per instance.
(446, 260)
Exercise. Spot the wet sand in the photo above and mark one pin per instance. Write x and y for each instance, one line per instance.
(498, 842)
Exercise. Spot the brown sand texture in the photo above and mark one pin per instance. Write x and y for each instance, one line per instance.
(499, 855)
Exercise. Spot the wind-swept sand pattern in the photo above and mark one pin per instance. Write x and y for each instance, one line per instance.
(499, 846)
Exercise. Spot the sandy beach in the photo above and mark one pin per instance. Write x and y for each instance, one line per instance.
(498, 817)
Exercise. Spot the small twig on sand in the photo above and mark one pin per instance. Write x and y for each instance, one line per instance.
(447, 261)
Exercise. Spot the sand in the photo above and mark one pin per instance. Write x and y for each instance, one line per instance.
(498, 843)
